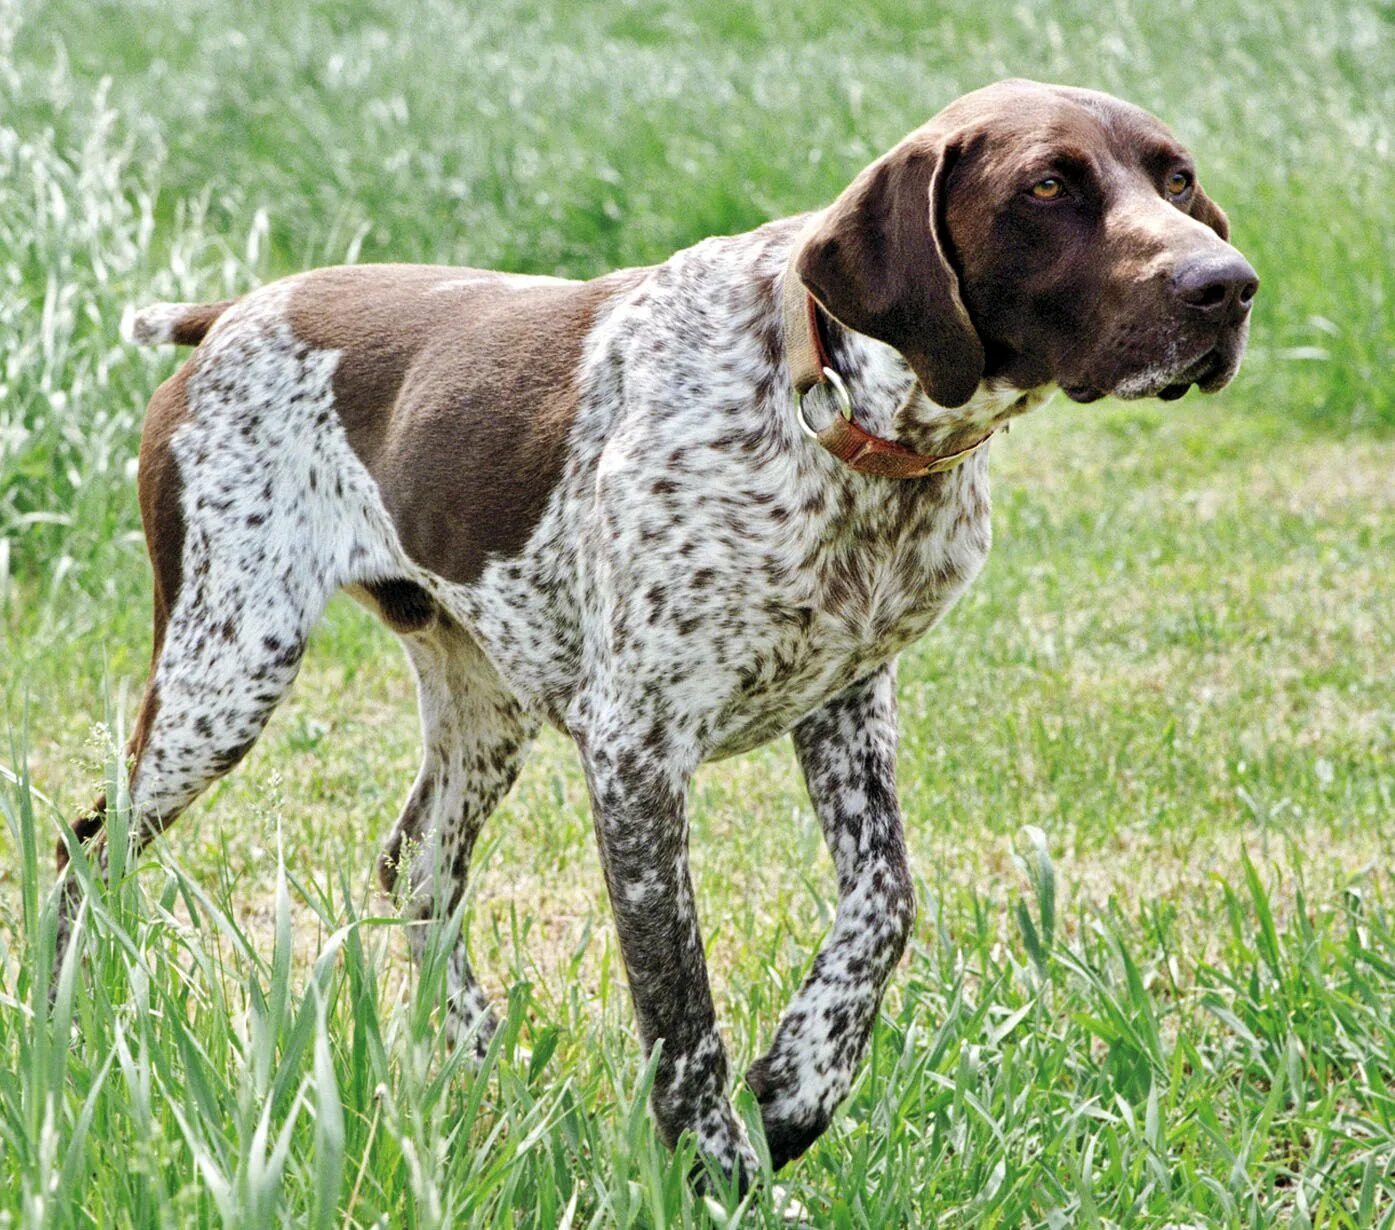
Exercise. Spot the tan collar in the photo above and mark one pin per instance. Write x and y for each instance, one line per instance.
(809, 366)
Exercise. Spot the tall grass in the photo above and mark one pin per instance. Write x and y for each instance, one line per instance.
(186, 1074)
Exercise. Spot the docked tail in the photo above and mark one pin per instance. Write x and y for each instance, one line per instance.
(184, 324)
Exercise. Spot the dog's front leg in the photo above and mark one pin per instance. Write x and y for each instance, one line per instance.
(847, 750)
(639, 785)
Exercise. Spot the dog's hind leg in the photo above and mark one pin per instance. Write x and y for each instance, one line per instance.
(847, 750)
(476, 737)
(253, 518)
(225, 656)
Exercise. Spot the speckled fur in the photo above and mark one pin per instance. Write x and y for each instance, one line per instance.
(704, 579)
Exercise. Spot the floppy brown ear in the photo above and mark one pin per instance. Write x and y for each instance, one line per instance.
(877, 263)
(1204, 209)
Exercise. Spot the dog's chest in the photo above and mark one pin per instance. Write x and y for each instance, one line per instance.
(703, 559)
(873, 574)
(737, 602)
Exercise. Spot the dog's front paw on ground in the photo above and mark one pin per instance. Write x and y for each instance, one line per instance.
(790, 1125)
(788, 1139)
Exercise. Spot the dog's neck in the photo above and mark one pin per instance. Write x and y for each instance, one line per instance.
(888, 400)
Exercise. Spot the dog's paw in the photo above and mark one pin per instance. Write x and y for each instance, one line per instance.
(788, 1140)
(791, 1126)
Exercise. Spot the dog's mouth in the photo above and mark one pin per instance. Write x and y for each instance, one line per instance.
(1205, 374)
(1210, 371)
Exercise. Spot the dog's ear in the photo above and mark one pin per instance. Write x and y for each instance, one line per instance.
(878, 263)
(1204, 209)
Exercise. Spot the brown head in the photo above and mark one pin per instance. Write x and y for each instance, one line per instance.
(1038, 234)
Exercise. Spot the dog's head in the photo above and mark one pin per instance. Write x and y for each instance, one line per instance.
(1038, 234)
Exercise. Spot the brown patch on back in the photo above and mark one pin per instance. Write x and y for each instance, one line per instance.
(458, 400)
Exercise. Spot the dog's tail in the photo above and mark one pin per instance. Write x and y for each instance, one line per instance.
(184, 324)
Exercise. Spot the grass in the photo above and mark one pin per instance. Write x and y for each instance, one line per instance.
(1146, 762)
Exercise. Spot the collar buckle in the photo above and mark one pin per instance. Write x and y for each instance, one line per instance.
(840, 393)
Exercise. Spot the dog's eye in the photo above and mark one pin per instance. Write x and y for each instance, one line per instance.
(1178, 183)
(1049, 189)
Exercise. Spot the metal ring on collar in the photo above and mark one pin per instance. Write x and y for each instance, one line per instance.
(840, 391)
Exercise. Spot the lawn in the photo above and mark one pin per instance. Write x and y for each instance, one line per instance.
(1146, 763)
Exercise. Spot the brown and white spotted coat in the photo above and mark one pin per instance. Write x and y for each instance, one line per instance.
(590, 504)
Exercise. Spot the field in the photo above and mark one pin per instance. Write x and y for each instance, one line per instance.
(1146, 763)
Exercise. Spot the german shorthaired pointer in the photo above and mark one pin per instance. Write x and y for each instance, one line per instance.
(676, 512)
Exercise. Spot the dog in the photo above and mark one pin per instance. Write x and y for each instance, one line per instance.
(676, 512)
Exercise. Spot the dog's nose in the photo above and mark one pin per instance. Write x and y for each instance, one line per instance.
(1218, 287)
